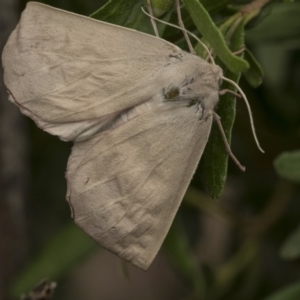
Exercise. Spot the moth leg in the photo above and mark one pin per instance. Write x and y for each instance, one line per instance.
(151, 17)
(200, 109)
(181, 25)
(239, 51)
(222, 92)
(226, 144)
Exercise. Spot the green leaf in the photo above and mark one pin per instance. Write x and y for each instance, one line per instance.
(254, 75)
(290, 293)
(59, 255)
(214, 161)
(128, 13)
(287, 165)
(232, 268)
(212, 34)
(125, 13)
(291, 247)
(212, 5)
(160, 7)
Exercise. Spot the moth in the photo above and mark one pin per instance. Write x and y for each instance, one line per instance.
(138, 109)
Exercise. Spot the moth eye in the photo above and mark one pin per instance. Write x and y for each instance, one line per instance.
(172, 94)
(220, 81)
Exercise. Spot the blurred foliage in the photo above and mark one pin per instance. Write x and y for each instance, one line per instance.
(49, 264)
(290, 293)
(291, 246)
(287, 165)
(256, 255)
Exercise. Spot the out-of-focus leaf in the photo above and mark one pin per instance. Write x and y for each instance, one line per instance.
(268, 30)
(291, 247)
(254, 75)
(203, 203)
(274, 60)
(290, 293)
(230, 270)
(287, 165)
(182, 258)
(59, 255)
(212, 34)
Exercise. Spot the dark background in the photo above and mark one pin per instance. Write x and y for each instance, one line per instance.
(233, 243)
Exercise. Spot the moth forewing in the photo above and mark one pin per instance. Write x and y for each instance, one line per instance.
(61, 68)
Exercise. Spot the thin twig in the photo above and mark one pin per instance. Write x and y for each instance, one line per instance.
(152, 18)
(255, 5)
(181, 24)
(190, 33)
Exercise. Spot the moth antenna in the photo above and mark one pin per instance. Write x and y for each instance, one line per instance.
(149, 6)
(183, 29)
(227, 146)
(181, 24)
(211, 51)
(249, 111)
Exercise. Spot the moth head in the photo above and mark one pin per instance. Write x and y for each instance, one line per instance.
(207, 79)
(216, 73)
(203, 81)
